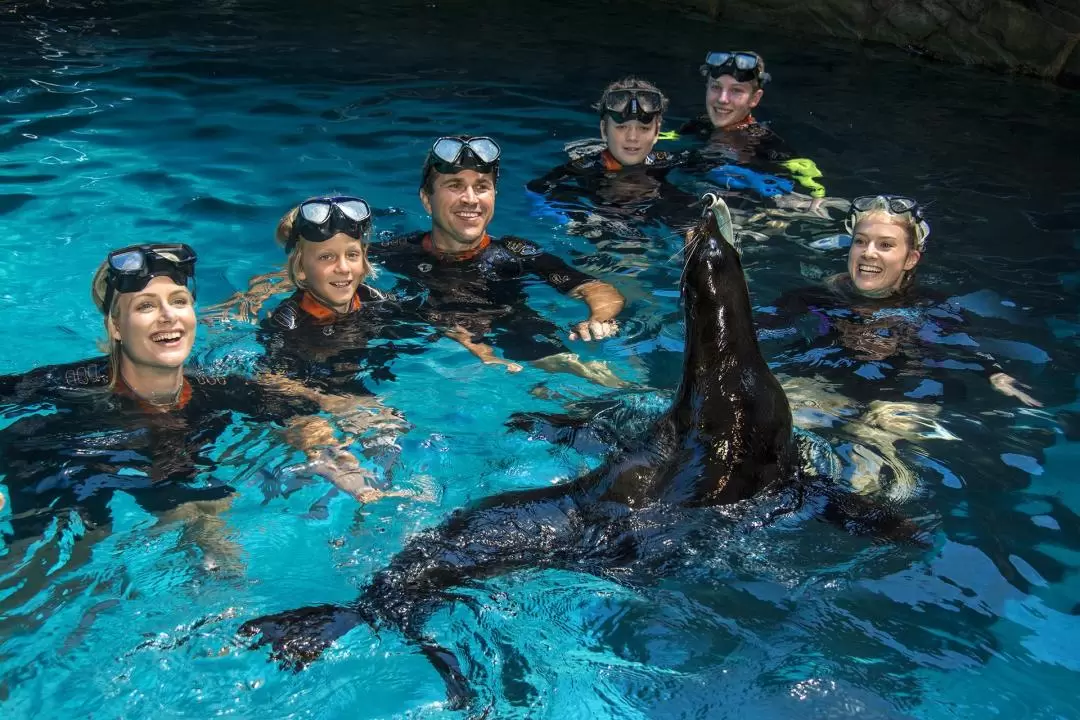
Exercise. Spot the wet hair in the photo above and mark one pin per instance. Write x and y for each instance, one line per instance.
(633, 83)
(98, 289)
(293, 263)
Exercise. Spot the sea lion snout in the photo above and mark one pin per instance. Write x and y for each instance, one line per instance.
(710, 247)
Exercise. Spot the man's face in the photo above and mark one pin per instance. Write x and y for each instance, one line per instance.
(630, 142)
(729, 102)
(461, 205)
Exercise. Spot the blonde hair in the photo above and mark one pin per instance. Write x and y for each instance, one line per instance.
(110, 345)
(99, 287)
(293, 264)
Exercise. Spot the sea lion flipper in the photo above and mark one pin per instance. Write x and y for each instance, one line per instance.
(298, 636)
(458, 693)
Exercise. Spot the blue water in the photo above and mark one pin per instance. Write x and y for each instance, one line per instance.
(203, 122)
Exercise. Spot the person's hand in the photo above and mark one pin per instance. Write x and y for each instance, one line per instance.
(341, 467)
(509, 365)
(593, 329)
(1008, 385)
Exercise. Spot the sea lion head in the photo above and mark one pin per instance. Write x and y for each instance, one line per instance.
(713, 284)
(711, 255)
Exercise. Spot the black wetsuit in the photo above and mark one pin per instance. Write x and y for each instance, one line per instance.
(336, 352)
(600, 196)
(485, 292)
(913, 334)
(74, 443)
(750, 141)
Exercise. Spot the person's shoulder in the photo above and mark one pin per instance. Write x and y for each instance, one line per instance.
(51, 379)
(288, 315)
(398, 244)
(519, 246)
(700, 125)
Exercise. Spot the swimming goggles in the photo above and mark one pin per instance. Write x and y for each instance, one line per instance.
(742, 66)
(625, 105)
(319, 219)
(894, 205)
(451, 155)
(130, 269)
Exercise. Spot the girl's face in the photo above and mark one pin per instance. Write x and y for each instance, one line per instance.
(881, 255)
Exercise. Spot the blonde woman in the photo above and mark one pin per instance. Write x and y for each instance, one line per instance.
(138, 420)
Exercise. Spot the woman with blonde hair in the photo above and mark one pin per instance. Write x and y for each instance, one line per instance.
(141, 421)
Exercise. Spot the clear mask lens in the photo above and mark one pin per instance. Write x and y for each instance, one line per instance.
(356, 210)
(316, 212)
(127, 262)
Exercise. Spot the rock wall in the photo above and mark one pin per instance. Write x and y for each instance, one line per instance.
(1035, 37)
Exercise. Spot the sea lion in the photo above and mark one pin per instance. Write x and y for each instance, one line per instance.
(726, 437)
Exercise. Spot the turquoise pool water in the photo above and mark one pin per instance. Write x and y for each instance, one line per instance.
(204, 121)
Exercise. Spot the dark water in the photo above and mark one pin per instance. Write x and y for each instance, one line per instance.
(203, 122)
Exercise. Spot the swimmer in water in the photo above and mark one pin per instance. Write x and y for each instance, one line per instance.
(889, 236)
(614, 189)
(473, 284)
(874, 323)
(139, 420)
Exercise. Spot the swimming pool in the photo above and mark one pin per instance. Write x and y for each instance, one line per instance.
(203, 122)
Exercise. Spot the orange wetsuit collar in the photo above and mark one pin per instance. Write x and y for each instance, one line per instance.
(122, 388)
(323, 314)
(610, 163)
(429, 247)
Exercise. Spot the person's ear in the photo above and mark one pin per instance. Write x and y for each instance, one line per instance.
(114, 332)
(425, 200)
(603, 129)
(756, 98)
(912, 259)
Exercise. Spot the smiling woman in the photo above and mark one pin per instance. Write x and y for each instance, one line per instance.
(138, 421)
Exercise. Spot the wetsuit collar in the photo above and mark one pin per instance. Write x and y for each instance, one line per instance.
(323, 314)
(742, 124)
(613, 165)
(122, 388)
(610, 163)
(429, 247)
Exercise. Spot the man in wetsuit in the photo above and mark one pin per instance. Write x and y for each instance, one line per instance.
(474, 284)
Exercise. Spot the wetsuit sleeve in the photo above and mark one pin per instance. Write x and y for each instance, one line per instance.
(555, 177)
(549, 268)
(46, 383)
(250, 397)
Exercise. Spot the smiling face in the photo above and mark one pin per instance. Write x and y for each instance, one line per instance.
(333, 270)
(630, 142)
(155, 326)
(461, 205)
(729, 102)
(881, 255)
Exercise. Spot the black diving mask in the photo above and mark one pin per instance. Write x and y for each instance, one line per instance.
(319, 219)
(130, 269)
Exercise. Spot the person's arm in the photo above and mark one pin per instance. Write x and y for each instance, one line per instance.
(551, 180)
(603, 300)
(244, 306)
(277, 397)
(1003, 382)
